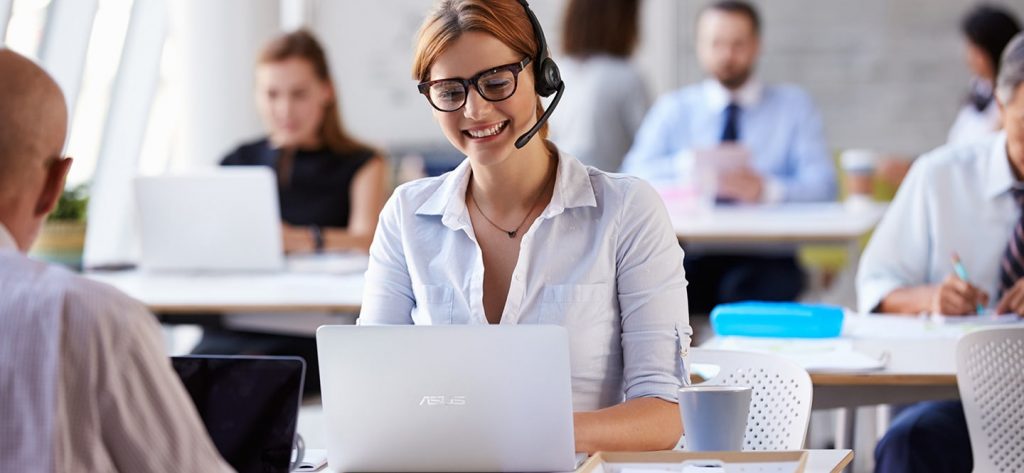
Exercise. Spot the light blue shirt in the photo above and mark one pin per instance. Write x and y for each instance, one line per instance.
(778, 124)
(601, 260)
(956, 198)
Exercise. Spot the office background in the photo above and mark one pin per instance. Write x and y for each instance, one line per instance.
(158, 85)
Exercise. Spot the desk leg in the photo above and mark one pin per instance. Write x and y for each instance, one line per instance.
(846, 427)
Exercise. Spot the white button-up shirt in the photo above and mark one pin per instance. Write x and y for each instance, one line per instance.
(601, 260)
(84, 382)
(956, 198)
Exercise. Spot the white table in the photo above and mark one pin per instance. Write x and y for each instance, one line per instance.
(821, 222)
(332, 284)
(921, 365)
(831, 223)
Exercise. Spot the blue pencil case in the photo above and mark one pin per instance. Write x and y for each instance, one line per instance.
(777, 319)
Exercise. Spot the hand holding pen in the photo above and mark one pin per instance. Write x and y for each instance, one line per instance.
(957, 296)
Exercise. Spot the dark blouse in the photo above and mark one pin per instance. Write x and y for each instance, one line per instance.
(317, 191)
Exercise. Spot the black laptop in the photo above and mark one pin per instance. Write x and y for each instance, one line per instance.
(249, 404)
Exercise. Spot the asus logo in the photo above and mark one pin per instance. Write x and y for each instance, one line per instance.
(443, 401)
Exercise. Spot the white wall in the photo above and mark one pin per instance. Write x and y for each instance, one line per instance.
(887, 74)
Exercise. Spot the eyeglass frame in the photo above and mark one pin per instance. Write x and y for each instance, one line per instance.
(515, 67)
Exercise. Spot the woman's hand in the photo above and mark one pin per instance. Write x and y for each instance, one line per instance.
(297, 239)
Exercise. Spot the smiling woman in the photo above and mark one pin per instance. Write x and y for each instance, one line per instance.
(522, 233)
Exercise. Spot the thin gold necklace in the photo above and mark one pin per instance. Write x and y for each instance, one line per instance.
(511, 233)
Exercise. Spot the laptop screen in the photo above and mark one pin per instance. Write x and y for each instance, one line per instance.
(249, 405)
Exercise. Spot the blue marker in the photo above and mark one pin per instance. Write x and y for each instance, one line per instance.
(961, 273)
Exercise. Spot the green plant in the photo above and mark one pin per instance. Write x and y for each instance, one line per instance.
(72, 205)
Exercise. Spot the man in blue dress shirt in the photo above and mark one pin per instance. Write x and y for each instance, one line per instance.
(771, 138)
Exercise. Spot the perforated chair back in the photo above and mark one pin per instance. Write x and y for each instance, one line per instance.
(990, 376)
(780, 405)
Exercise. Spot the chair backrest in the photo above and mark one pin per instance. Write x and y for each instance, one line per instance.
(780, 405)
(990, 376)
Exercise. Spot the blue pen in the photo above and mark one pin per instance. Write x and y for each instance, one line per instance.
(961, 273)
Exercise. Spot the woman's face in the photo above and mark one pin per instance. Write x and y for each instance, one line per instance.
(979, 63)
(485, 131)
(291, 100)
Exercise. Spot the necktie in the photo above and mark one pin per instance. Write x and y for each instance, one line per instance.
(731, 131)
(1011, 268)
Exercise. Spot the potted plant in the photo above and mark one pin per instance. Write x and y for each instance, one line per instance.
(63, 235)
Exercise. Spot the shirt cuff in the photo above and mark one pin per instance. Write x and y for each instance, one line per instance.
(773, 191)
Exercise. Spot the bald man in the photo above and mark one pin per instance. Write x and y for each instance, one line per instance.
(84, 383)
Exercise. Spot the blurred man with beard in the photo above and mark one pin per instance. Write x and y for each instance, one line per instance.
(766, 143)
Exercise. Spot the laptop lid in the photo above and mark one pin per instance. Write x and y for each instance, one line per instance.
(217, 220)
(447, 398)
(249, 404)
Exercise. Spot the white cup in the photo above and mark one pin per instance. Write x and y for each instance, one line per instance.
(714, 417)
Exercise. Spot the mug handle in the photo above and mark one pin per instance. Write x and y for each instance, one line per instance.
(298, 452)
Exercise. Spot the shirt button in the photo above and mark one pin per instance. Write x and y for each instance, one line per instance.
(518, 277)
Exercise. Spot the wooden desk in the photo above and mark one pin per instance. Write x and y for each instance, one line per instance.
(818, 461)
(830, 461)
(336, 286)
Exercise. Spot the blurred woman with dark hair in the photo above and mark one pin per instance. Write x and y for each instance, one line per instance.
(331, 186)
(987, 29)
(603, 109)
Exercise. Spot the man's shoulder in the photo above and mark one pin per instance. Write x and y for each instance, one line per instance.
(681, 101)
(789, 93)
(96, 302)
(687, 94)
(953, 157)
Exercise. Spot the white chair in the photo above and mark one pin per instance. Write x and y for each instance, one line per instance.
(780, 404)
(990, 376)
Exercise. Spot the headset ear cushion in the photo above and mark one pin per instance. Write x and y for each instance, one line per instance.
(549, 78)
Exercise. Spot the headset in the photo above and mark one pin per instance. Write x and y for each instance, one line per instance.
(547, 80)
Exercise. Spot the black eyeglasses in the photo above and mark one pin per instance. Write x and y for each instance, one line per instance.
(494, 85)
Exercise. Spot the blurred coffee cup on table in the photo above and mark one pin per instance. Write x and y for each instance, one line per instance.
(859, 168)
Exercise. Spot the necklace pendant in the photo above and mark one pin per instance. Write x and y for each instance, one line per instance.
(512, 234)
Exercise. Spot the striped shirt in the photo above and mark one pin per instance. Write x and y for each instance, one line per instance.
(84, 383)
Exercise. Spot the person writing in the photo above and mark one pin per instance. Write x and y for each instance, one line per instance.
(962, 198)
(331, 186)
(84, 382)
(522, 233)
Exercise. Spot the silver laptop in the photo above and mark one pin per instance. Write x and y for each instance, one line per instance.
(447, 398)
(217, 220)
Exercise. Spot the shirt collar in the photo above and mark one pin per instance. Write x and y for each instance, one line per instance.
(746, 96)
(999, 179)
(6, 239)
(572, 189)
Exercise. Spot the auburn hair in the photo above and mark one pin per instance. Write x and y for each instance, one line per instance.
(592, 27)
(506, 20)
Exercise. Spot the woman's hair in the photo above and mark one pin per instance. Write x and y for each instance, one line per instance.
(506, 20)
(594, 27)
(990, 28)
(303, 45)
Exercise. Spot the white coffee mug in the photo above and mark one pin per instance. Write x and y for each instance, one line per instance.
(714, 417)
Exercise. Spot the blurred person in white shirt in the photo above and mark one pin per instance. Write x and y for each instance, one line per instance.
(603, 109)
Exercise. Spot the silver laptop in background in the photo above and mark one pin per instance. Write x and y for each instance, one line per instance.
(217, 220)
(447, 398)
